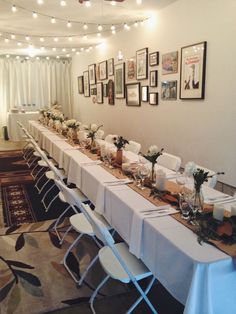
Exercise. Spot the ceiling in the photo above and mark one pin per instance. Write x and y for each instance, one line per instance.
(47, 38)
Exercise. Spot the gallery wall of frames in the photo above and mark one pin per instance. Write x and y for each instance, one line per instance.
(107, 81)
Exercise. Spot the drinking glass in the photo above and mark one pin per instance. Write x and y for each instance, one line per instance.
(143, 172)
(181, 180)
(185, 204)
(110, 159)
(135, 174)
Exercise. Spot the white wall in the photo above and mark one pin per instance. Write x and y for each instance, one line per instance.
(199, 130)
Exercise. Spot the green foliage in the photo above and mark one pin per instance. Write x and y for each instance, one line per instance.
(120, 142)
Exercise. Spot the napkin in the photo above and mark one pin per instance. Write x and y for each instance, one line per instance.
(100, 199)
(136, 233)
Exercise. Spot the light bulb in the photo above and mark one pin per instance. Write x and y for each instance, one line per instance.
(87, 4)
(139, 1)
(54, 49)
(53, 20)
(113, 2)
(41, 39)
(40, 2)
(13, 8)
(35, 15)
(85, 37)
(68, 24)
(73, 49)
(27, 38)
(113, 27)
(6, 40)
(47, 58)
(58, 57)
(64, 49)
(13, 36)
(136, 24)
(85, 26)
(19, 44)
(99, 34)
(100, 27)
(77, 52)
(63, 3)
(7, 56)
(68, 55)
(113, 31)
(70, 38)
(17, 57)
(55, 39)
(42, 48)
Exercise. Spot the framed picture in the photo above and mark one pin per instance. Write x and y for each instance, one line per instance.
(144, 93)
(169, 90)
(142, 64)
(105, 90)
(153, 78)
(92, 74)
(93, 90)
(110, 92)
(120, 80)
(133, 94)
(81, 84)
(170, 63)
(110, 66)
(103, 70)
(86, 84)
(193, 71)
(130, 70)
(154, 58)
(153, 98)
(100, 93)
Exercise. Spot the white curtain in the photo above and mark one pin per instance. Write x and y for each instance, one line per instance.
(34, 84)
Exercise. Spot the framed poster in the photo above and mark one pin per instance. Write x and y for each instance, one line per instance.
(86, 84)
(92, 74)
(193, 71)
(154, 58)
(93, 90)
(142, 64)
(153, 78)
(153, 98)
(103, 70)
(110, 92)
(81, 84)
(169, 90)
(130, 70)
(100, 93)
(133, 94)
(110, 66)
(170, 63)
(144, 93)
(120, 80)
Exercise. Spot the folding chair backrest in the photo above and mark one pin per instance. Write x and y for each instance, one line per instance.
(133, 147)
(169, 161)
(71, 197)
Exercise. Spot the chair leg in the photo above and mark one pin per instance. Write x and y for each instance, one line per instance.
(67, 253)
(93, 261)
(58, 221)
(93, 296)
(143, 296)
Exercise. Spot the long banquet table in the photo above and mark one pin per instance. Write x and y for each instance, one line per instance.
(201, 277)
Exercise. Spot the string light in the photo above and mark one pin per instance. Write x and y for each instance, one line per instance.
(13, 8)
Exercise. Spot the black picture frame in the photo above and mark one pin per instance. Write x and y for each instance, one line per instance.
(110, 66)
(120, 80)
(154, 58)
(80, 84)
(153, 98)
(193, 71)
(144, 93)
(105, 90)
(92, 74)
(133, 94)
(142, 64)
(153, 78)
(86, 84)
(110, 92)
(100, 93)
(103, 70)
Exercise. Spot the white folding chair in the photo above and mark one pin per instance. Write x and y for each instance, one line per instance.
(133, 147)
(118, 263)
(79, 223)
(169, 161)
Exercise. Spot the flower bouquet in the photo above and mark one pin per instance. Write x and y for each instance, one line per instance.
(119, 143)
(93, 130)
(152, 154)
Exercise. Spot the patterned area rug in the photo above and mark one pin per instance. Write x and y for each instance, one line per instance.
(32, 279)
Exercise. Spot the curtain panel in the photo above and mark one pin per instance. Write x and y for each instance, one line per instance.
(34, 84)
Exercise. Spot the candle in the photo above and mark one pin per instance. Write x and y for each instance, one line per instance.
(160, 180)
(218, 211)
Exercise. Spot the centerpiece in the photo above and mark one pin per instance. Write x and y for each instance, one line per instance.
(152, 154)
(119, 143)
(72, 126)
(93, 130)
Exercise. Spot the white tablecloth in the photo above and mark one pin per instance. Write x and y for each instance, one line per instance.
(199, 276)
(14, 131)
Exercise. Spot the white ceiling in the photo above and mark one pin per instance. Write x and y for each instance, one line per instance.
(21, 23)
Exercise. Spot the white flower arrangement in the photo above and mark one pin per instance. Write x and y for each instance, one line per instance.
(153, 150)
(71, 123)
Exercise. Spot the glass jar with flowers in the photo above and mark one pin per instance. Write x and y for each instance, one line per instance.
(72, 126)
(93, 129)
(152, 154)
(119, 143)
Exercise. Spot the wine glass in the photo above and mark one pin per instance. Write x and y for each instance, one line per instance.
(110, 159)
(143, 172)
(135, 174)
(185, 204)
(181, 180)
